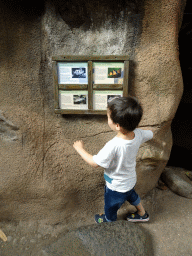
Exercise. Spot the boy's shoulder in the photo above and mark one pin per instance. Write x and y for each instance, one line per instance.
(143, 129)
(139, 134)
(113, 140)
(114, 143)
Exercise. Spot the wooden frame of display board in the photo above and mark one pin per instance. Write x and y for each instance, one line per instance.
(84, 84)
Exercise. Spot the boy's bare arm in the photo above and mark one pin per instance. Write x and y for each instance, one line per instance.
(79, 147)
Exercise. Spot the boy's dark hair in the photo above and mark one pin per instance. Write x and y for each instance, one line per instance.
(125, 111)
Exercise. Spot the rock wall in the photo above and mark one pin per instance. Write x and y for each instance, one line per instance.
(41, 176)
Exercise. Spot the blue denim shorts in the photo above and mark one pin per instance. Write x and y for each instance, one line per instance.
(114, 200)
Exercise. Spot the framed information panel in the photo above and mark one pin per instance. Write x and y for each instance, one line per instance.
(84, 84)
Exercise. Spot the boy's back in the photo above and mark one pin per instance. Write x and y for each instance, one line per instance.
(118, 157)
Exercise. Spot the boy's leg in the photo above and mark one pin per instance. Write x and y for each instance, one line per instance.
(112, 204)
(141, 214)
(140, 209)
(113, 201)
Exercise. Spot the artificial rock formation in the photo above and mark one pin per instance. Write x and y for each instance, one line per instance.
(41, 176)
(179, 180)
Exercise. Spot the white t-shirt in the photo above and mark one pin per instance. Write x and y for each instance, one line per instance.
(118, 157)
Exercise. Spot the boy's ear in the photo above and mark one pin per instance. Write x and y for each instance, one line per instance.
(118, 128)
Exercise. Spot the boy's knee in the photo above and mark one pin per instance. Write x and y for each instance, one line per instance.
(136, 202)
(134, 198)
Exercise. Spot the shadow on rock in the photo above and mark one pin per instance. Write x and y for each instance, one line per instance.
(107, 239)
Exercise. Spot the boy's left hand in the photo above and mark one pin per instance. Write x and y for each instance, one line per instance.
(78, 144)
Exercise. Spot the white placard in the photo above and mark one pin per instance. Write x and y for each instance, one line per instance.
(100, 98)
(72, 73)
(73, 100)
(108, 72)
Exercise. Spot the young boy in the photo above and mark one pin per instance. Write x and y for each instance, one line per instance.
(118, 157)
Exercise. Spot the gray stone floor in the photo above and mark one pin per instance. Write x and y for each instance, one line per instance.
(170, 226)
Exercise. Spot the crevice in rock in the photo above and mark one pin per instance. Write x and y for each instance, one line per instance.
(42, 91)
(93, 135)
(7, 129)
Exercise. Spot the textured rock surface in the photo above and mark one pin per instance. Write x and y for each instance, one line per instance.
(176, 179)
(107, 239)
(41, 176)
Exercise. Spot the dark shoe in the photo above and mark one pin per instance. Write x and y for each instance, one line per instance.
(100, 218)
(135, 217)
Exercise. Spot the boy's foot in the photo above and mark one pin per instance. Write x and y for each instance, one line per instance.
(99, 218)
(135, 217)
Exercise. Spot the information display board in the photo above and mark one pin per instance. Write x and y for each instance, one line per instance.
(84, 84)
(72, 73)
(73, 99)
(108, 72)
(100, 98)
